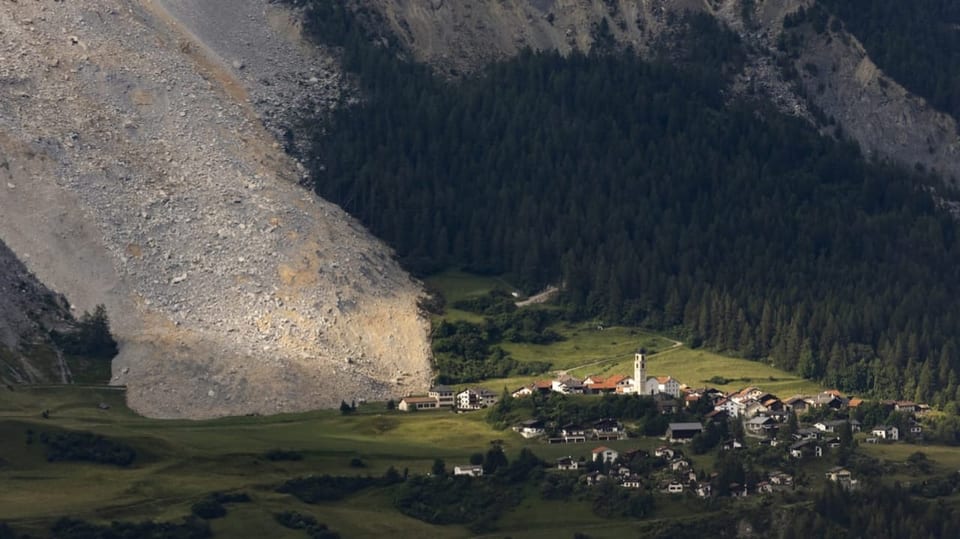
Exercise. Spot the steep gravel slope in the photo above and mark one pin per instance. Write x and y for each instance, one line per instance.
(135, 171)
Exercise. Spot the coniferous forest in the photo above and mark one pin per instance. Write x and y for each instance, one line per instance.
(655, 198)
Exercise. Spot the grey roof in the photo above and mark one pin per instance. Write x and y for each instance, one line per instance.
(685, 426)
(759, 420)
(441, 389)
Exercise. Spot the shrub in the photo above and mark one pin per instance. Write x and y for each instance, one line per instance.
(276, 455)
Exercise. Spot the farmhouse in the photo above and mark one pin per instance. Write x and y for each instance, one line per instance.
(409, 404)
(683, 432)
(568, 463)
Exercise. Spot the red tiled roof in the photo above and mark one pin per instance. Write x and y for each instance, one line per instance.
(607, 383)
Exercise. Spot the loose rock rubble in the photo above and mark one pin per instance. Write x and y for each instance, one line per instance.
(145, 179)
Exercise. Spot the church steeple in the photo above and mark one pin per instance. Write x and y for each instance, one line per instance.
(640, 371)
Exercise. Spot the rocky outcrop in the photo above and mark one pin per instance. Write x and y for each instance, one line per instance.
(460, 36)
(135, 171)
(29, 311)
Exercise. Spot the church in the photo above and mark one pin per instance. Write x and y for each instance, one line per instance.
(653, 385)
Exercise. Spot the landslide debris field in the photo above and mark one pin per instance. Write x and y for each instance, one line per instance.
(136, 171)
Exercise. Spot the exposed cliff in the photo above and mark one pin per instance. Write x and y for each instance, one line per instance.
(29, 311)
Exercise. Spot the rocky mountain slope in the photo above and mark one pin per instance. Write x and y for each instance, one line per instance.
(135, 171)
(887, 121)
(28, 312)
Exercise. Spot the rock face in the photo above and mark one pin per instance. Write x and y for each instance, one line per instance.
(885, 119)
(28, 312)
(135, 171)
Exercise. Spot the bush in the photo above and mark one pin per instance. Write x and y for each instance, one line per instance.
(208, 509)
(86, 446)
(191, 528)
(277, 455)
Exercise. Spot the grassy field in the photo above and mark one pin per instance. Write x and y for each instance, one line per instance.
(696, 367)
(179, 462)
(457, 285)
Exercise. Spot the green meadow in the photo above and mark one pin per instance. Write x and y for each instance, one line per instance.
(179, 462)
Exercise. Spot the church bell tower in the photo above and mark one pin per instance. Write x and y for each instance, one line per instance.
(640, 372)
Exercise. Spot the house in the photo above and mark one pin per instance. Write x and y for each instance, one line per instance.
(609, 429)
(568, 463)
(839, 474)
(543, 386)
(679, 465)
(704, 490)
(796, 404)
(631, 481)
(781, 478)
(472, 470)
(764, 487)
(832, 425)
(805, 448)
(772, 404)
(667, 385)
(753, 408)
(666, 404)
(761, 424)
(807, 433)
(906, 407)
(604, 454)
(855, 402)
(730, 445)
(683, 432)
(675, 488)
(885, 432)
(922, 410)
(733, 408)
(916, 428)
(568, 385)
(593, 478)
(665, 452)
(475, 398)
(443, 394)
(601, 385)
(571, 434)
(832, 443)
(855, 425)
(530, 428)
(409, 404)
(524, 391)
(826, 399)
